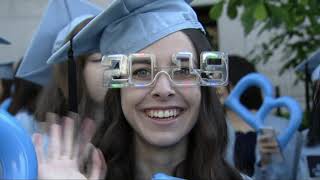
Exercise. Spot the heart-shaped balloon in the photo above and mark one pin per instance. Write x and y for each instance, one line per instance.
(18, 159)
(256, 120)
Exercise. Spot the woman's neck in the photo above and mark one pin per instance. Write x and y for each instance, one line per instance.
(238, 123)
(150, 159)
(98, 113)
(93, 110)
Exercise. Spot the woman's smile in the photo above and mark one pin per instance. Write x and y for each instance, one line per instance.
(163, 116)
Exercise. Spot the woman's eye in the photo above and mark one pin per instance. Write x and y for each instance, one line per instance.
(95, 60)
(141, 73)
(183, 71)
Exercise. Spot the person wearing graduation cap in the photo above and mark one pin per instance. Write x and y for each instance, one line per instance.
(6, 78)
(307, 67)
(23, 102)
(61, 20)
(4, 41)
(309, 165)
(161, 122)
(256, 154)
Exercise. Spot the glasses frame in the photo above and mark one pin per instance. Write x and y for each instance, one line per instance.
(119, 68)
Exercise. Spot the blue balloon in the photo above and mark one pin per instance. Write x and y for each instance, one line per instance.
(256, 120)
(18, 158)
(162, 176)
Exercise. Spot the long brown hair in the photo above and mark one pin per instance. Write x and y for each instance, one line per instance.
(24, 97)
(54, 97)
(25, 94)
(207, 140)
(6, 88)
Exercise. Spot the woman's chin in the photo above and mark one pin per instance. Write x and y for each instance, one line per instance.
(163, 140)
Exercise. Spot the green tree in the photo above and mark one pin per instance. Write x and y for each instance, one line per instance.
(295, 25)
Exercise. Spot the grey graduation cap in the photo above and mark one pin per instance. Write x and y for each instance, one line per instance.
(4, 41)
(127, 26)
(59, 19)
(6, 70)
(312, 62)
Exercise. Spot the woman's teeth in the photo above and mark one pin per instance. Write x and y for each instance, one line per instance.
(168, 113)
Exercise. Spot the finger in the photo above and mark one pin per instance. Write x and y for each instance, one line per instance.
(75, 152)
(265, 159)
(43, 127)
(68, 133)
(270, 145)
(269, 151)
(271, 142)
(96, 165)
(55, 142)
(265, 138)
(84, 161)
(104, 167)
(38, 145)
(76, 119)
(51, 118)
(74, 115)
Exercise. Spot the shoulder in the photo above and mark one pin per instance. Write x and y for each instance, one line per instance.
(305, 132)
(22, 114)
(24, 117)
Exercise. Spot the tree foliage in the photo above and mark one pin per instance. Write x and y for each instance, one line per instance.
(295, 26)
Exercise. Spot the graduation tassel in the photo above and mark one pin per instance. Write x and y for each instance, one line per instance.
(72, 81)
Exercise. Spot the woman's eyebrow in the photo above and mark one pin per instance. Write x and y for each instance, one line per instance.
(194, 62)
(94, 59)
(142, 61)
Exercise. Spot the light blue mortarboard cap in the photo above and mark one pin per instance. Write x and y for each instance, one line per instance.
(59, 19)
(312, 63)
(6, 70)
(127, 26)
(4, 41)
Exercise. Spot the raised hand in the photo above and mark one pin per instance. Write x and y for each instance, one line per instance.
(268, 147)
(61, 161)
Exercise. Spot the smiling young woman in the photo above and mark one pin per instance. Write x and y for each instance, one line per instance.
(177, 130)
(166, 117)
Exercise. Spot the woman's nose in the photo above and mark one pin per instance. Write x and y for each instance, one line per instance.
(162, 87)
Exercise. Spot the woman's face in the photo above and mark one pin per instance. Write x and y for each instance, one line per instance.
(163, 114)
(93, 77)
